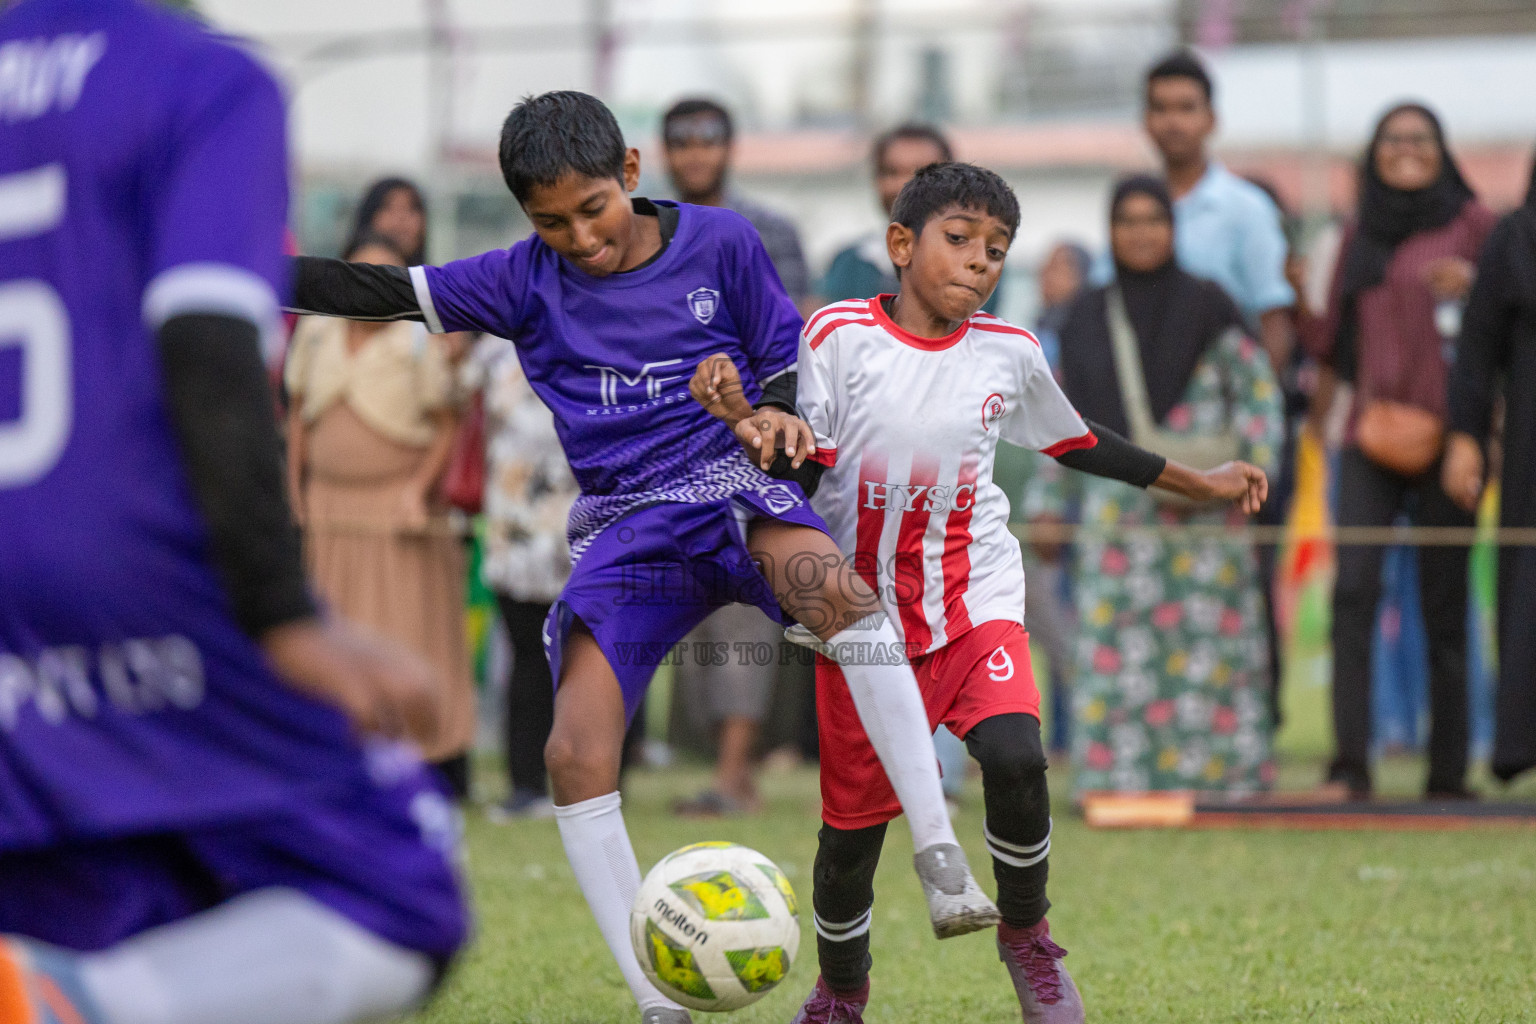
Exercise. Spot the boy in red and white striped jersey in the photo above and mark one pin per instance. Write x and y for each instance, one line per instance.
(904, 399)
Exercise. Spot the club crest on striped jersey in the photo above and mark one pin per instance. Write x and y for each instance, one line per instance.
(703, 302)
(992, 409)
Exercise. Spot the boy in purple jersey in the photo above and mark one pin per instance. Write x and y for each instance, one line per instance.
(612, 305)
(193, 826)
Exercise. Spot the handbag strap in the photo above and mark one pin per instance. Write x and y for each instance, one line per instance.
(1133, 381)
(1128, 370)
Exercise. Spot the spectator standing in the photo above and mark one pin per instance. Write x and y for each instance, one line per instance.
(1496, 361)
(718, 677)
(1298, 378)
(1169, 685)
(696, 137)
(529, 490)
(1062, 277)
(1405, 267)
(863, 269)
(1047, 610)
(1227, 229)
(370, 426)
(1230, 231)
(394, 208)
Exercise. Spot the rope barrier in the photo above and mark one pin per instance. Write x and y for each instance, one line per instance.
(1070, 533)
(1274, 536)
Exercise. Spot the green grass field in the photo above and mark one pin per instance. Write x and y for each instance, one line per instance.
(1163, 927)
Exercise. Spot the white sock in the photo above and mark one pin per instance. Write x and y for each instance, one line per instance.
(597, 845)
(274, 956)
(891, 709)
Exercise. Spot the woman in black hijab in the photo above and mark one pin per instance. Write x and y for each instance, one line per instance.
(1391, 323)
(1170, 683)
(1176, 317)
(1394, 206)
(394, 208)
(1496, 358)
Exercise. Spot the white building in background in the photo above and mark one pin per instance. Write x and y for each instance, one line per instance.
(1045, 91)
(370, 77)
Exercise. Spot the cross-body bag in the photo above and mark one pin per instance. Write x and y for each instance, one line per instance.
(1399, 437)
(1199, 451)
(1396, 436)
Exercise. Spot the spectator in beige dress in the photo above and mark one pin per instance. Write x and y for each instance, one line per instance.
(370, 427)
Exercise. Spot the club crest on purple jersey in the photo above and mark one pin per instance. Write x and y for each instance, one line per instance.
(778, 498)
(704, 302)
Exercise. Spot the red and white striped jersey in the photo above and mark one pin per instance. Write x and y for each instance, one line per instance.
(908, 428)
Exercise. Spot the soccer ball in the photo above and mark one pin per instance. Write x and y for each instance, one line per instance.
(715, 926)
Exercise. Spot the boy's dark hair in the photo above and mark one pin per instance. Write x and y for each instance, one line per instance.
(913, 130)
(1182, 64)
(693, 107)
(548, 136)
(937, 187)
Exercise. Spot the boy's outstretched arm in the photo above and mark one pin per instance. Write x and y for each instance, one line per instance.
(1239, 482)
(1114, 457)
(357, 291)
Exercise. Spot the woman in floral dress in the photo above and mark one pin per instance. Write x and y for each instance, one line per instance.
(1172, 654)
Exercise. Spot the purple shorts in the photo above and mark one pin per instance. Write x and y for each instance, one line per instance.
(649, 578)
(382, 856)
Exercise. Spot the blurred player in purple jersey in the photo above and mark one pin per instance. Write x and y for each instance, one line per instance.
(612, 305)
(206, 812)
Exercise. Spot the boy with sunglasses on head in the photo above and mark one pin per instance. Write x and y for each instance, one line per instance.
(611, 306)
(907, 397)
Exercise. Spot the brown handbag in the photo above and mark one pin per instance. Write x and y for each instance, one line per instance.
(1399, 437)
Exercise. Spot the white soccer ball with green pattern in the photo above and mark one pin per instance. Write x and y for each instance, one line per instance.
(715, 926)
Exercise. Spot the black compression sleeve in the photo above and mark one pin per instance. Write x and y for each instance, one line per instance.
(221, 406)
(780, 392)
(1116, 458)
(357, 291)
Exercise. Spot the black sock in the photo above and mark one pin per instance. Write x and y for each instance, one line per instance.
(844, 899)
(1018, 813)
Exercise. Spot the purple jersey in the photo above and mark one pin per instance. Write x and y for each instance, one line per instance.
(143, 174)
(612, 357)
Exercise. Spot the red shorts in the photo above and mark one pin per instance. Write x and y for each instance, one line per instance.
(984, 673)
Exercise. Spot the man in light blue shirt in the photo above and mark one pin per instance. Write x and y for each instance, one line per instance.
(1226, 229)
